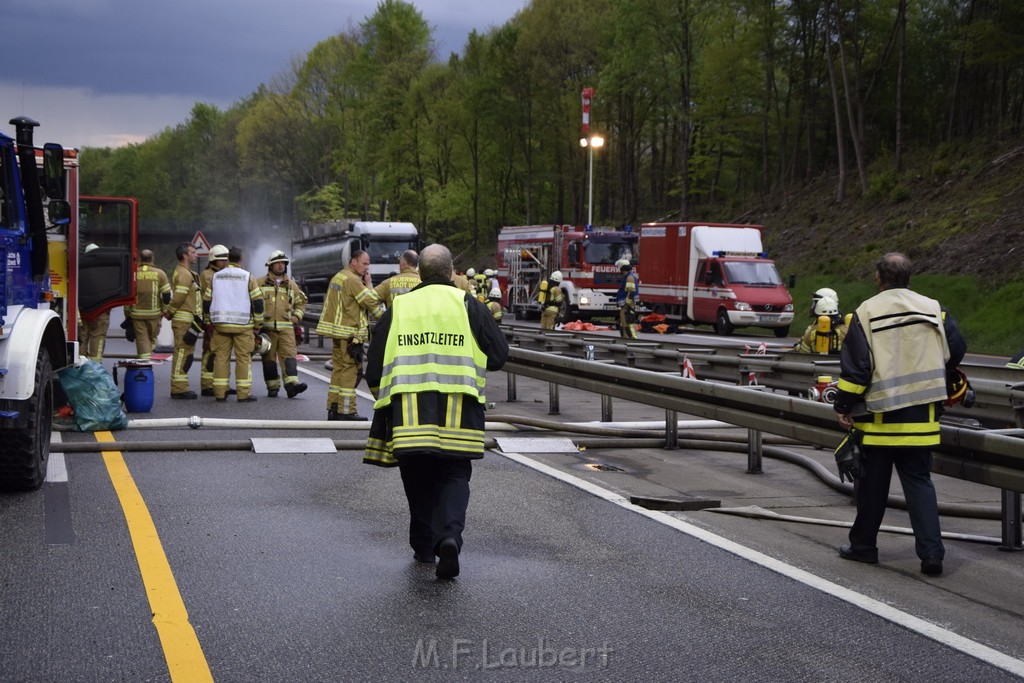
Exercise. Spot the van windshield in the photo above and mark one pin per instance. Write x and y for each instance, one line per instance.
(757, 273)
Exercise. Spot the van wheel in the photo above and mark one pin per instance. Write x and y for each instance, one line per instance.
(723, 326)
(24, 452)
(781, 332)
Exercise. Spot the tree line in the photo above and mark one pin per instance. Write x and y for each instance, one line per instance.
(703, 104)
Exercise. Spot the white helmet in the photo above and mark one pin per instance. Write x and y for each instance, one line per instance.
(218, 252)
(89, 247)
(489, 272)
(622, 263)
(826, 306)
(495, 294)
(277, 256)
(470, 273)
(822, 293)
(263, 347)
(556, 276)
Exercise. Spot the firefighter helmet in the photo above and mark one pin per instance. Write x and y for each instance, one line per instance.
(263, 347)
(277, 256)
(218, 252)
(556, 276)
(622, 263)
(822, 293)
(470, 273)
(958, 389)
(489, 272)
(89, 247)
(495, 294)
(826, 306)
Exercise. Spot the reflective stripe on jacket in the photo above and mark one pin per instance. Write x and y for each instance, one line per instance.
(430, 347)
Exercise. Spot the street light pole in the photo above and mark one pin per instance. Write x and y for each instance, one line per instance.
(591, 142)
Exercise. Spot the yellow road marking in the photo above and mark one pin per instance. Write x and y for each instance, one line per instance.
(184, 654)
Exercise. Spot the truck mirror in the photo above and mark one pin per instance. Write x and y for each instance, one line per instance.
(53, 170)
(58, 212)
(792, 281)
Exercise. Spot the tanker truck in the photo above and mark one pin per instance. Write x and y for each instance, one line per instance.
(315, 260)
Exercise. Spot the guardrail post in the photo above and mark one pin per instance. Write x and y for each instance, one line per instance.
(671, 430)
(553, 399)
(1011, 521)
(510, 385)
(606, 408)
(755, 444)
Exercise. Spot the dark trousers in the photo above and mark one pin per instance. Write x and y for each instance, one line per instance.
(913, 465)
(438, 493)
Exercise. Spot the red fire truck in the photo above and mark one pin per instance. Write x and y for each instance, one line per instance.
(586, 258)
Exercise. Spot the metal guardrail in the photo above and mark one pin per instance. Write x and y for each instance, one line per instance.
(795, 373)
(981, 456)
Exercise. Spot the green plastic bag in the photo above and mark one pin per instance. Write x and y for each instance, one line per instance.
(94, 396)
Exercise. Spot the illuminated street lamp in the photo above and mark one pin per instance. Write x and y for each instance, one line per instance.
(591, 142)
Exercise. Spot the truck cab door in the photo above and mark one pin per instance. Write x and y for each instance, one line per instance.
(705, 290)
(108, 235)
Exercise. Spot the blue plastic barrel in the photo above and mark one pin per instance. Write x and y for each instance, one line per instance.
(138, 388)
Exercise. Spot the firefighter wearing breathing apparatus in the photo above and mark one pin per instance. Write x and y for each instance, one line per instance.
(234, 304)
(894, 365)
(283, 308)
(349, 301)
(626, 299)
(185, 314)
(550, 296)
(494, 304)
(825, 335)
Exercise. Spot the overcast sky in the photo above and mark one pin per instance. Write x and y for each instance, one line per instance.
(109, 72)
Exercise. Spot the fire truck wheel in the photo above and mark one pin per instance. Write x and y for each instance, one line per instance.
(723, 326)
(781, 332)
(25, 451)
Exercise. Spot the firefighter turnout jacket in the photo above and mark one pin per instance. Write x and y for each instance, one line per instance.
(396, 285)
(346, 306)
(893, 368)
(234, 301)
(152, 293)
(284, 302)
(185, 305)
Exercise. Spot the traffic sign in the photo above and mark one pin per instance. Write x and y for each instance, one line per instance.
(201, 244)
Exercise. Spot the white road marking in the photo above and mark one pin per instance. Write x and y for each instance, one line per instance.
(56, 467)
(896, 616)
(327, 378)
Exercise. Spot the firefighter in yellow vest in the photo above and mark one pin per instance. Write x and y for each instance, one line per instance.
(185, 314)
(427, 368)
(218, 261)
(283, 308)
(494, 304)
(234, 304)
(895, 361)
(825, 335)
(152, 295)
(406, 279)
(349, 300)
(550, 297)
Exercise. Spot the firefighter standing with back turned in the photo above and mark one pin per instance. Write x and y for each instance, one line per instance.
(350, 299)
(234, 304)
(626, 299)
(893, 381)
(185, 314)
(399, 284)
(152, 295)
(284, 303)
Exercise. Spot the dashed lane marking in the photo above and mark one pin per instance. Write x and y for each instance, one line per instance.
(186, 662)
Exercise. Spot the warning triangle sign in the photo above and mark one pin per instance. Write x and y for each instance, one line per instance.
(201, 244)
